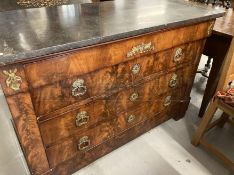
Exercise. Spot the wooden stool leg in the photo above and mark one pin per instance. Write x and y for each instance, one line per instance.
(223, 120)
(204, 123)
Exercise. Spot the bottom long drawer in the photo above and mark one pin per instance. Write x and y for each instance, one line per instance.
(81, 159)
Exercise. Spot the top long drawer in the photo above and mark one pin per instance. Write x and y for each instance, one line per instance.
(74, 63)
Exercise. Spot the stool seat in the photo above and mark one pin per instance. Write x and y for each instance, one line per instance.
(226, 96)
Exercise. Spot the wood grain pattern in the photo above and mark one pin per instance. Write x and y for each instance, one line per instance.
(164, 60)
(65, 125)
(143, 111)
(181, 80)
(68, 148)
(59, 95)
(121, 101)
(82, 159)
(109, 128)
(28, 132)
(52, 97)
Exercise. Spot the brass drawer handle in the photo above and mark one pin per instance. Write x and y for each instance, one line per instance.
(134, 96)
(136, 69)
(78, 88)
(167, 101)
(84, 143)
(82, 118)
(141, 48)
(178, 55)
(173, 81)
(131, 118)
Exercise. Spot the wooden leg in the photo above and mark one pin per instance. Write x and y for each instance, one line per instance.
(219, 122)
(211, 85)
(204, 123)
(224, 118)
(216, 47)
(218, 154)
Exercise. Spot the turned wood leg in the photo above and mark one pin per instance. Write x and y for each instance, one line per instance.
(204, 123)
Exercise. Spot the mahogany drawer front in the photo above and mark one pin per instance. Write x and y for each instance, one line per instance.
(175, 79)
(137, 69)
(58, 95)
(132, 117)
(132, 97)
(74, 122)
(61, 94)
(80, 143)
(178, 55)
(75, 63)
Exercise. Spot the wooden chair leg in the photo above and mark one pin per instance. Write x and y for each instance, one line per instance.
(209, 114)
(223, 120)
(218, 154)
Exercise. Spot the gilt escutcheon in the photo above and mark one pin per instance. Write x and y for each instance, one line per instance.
(13, 81)
(141, 48)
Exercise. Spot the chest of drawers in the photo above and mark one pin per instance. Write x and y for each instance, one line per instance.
(70, 108)
(79, 105)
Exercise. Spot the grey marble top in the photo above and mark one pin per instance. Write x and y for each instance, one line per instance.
(28, 33)
(7, 5)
